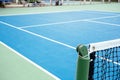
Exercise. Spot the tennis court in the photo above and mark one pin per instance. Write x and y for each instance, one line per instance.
(48, 40)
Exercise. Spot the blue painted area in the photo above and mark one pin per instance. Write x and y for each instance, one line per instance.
(38, 19)
(78, 32)
(115, 20)
(56, 58)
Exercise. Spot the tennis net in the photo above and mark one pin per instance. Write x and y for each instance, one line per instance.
(104, 60)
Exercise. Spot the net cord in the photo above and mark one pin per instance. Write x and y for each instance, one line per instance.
(93, 47)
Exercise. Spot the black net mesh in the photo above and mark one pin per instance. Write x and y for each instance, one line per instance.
(105, 64)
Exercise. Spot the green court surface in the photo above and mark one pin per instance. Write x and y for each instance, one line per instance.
(14, 67)
(110, 7)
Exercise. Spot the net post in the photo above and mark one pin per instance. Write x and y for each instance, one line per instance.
(82, 63)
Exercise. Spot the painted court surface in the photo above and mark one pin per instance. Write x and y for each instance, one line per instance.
(44, 43)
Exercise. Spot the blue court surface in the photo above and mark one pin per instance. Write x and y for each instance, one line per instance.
(50, 39)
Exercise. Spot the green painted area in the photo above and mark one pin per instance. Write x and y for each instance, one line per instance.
(112, 7)
(14, 67)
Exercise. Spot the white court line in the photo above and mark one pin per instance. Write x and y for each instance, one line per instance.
(51, 23)
(103, 23)
(108, 60)
(104, 17)
(88, 11)
(42, 12)
(103, 12)
(25, 58)
(46, 38)
(72, 21)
